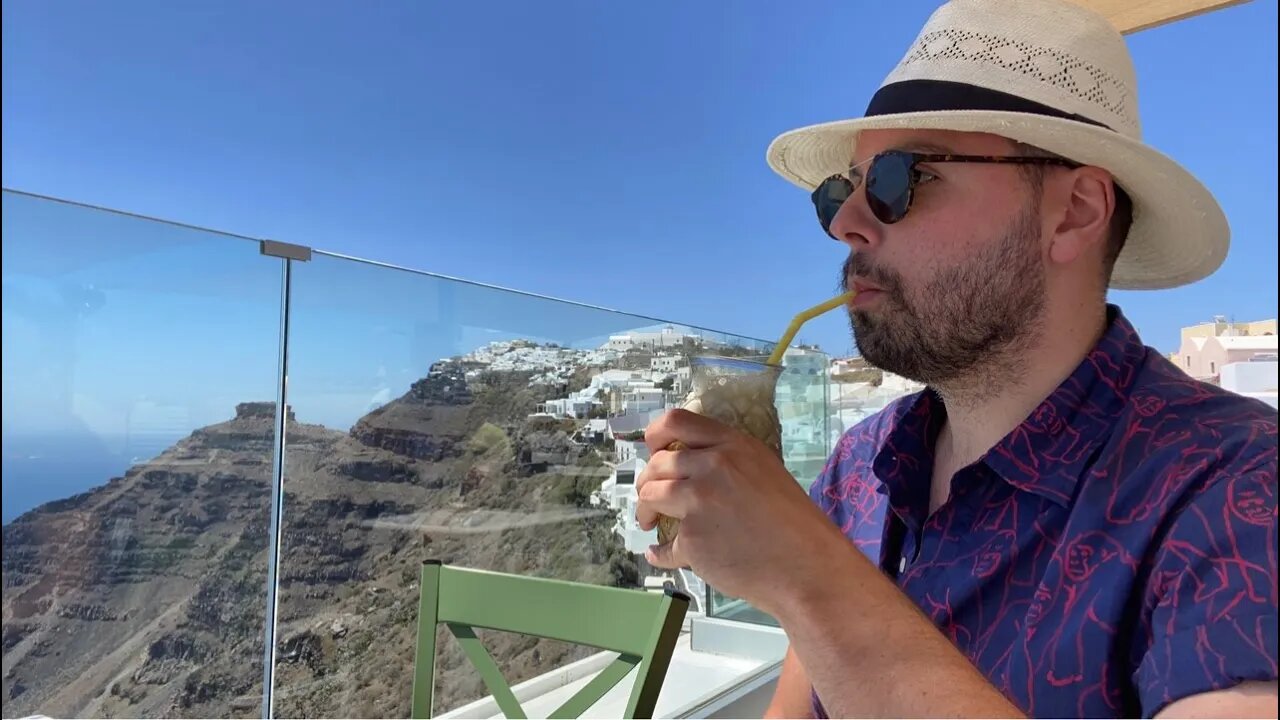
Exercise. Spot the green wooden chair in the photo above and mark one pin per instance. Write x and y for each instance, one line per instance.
(642, 627)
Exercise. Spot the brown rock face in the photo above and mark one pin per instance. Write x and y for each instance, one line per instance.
(145, 596)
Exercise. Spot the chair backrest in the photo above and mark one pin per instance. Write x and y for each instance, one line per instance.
(641, 627)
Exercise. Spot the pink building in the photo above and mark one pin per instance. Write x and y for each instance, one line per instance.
(1204, 357)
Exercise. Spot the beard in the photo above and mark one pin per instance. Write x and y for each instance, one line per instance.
(959, 327)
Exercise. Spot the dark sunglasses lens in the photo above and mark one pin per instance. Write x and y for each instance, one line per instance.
(889, 186)
(828, 197)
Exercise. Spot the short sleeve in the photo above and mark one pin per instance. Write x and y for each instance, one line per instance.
(1210, 606)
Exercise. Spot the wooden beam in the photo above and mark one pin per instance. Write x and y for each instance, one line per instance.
(1134, 15)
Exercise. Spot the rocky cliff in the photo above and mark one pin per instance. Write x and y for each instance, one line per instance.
(146, 596)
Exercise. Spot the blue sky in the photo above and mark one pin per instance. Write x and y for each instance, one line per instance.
(606, 152)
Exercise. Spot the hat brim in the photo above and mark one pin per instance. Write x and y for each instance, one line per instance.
(1179, 233)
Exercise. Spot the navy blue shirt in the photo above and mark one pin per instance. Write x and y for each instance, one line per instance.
(1114, 553)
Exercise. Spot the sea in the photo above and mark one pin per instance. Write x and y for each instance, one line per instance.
(39, 469)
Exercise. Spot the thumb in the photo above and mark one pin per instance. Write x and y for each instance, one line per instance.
(663, 556)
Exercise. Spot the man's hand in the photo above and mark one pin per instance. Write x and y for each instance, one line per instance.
(744, 521)
(749, 530)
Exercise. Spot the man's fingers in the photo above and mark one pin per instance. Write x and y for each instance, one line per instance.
(646, 519)
(670, 485)
(658, 497)
(670, 465)
(695, 431)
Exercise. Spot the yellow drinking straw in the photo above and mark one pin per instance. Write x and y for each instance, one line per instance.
(781, 348)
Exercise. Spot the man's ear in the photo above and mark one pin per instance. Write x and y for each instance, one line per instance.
(1087, 201)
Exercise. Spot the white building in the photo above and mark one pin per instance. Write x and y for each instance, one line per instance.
(643, 399)
(621, 378)
(1254, 378)
(667, 337)
(616, 391)
(602, 357)
(841, 366)
(665, 363)
(618, 343)
(664, 338)
(683, 381)
(624, 450)
(619, 493)
(570, 407)
(622, 427)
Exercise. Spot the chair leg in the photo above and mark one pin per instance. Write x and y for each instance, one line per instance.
(424, 663)
(653, 670)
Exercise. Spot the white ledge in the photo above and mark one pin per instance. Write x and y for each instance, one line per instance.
(734, 663)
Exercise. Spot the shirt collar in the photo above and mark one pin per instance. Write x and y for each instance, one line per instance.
(904, 463)
(1048, 452)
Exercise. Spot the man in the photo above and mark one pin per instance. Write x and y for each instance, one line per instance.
(1064, 524)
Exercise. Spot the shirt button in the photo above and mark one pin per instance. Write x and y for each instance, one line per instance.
(902, 565)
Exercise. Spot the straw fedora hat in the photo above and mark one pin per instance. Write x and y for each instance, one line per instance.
(1051, 74)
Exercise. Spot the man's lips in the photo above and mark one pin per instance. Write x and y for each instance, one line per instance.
(865, 292)
(862, 286)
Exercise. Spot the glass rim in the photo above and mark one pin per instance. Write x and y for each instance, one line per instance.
(732, 362)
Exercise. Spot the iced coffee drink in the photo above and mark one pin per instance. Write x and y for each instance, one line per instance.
(738, 393)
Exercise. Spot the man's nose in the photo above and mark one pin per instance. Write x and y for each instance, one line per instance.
(854, 225)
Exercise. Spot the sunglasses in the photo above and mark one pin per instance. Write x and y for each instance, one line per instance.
(891, 179)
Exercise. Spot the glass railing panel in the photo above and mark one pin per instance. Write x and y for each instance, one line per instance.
(803, 407)
(859, 390)
(139, 373)
(441, 419)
